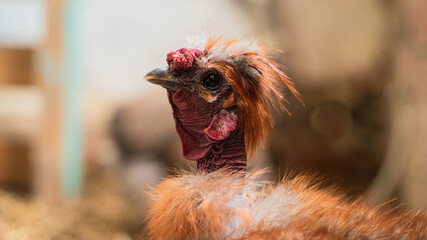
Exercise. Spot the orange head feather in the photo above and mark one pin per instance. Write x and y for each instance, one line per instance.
(256, 81)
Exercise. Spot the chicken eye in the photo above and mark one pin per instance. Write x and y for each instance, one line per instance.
(212, 81)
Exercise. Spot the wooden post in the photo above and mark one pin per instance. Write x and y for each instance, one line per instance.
(48, 142)
(58, 146)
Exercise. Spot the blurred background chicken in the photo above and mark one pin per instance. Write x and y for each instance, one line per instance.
(77, 126)
(220, 99)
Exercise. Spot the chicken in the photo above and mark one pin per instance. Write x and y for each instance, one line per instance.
(221, 99)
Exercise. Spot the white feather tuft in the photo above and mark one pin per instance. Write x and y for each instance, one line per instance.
(198, 41)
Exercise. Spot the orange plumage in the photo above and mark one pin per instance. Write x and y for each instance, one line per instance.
(254, 103)
(230, 88)
(225, 206)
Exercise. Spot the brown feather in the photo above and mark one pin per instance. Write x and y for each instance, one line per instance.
(257, 83)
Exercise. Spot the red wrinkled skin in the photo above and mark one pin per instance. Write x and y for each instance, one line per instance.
(208, 135)
(222, 125)
(191, 116)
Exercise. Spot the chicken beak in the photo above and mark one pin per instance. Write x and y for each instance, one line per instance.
(161, 76)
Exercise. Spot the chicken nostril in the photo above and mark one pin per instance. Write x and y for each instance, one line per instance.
(176, 73)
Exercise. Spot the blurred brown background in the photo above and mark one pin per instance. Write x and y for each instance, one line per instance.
(82, 137)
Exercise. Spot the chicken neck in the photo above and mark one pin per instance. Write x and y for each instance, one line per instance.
(208, 133)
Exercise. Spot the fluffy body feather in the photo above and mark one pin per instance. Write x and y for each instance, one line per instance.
(221, 205)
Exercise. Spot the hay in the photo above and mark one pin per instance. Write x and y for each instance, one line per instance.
(105, 211)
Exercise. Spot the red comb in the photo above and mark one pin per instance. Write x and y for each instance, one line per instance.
(182, 59)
